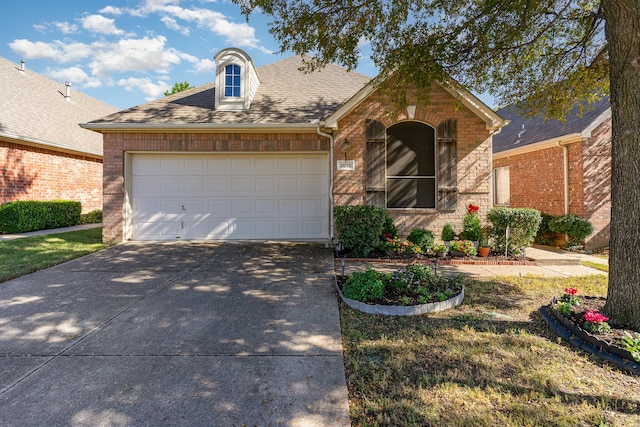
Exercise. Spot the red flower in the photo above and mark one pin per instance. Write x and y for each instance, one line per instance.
(472, 208)
(388, 235)
(593, 317)
(571, 291)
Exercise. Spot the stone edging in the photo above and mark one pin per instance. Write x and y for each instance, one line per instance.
(397, 310)
(584, 341)
(441, 261)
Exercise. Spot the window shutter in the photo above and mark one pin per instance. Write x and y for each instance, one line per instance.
(447, 166)
(375, 136)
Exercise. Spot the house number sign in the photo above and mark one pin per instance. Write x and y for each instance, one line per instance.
(346, 165)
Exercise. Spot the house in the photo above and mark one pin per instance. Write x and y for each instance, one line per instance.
(44, 153)
(558, 167)
(267, 153)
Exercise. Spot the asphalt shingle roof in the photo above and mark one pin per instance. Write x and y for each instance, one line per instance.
(285, 96)
(34, 108)
(524, 131)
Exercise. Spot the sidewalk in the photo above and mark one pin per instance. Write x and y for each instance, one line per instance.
(551, 262)
(4, 237)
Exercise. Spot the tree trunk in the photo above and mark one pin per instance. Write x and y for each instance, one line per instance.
(622, 31)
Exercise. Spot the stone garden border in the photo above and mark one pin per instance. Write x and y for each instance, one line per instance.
(400, 310)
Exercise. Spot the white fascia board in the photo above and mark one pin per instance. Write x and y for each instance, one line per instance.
(542, 145)
(48, 145)
(201, 127)
(491, 118)
(606, 114)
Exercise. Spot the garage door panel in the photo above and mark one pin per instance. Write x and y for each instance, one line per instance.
(230, 196)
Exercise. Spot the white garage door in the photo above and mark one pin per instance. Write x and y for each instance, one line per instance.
(229, 196)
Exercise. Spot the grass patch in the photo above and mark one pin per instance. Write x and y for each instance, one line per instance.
(596, 265)
(491, 361)
(29, 254)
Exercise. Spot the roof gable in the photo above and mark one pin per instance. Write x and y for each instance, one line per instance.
(523, 131)
(34, 110)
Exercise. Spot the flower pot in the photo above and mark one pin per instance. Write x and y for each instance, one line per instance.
(483, 252)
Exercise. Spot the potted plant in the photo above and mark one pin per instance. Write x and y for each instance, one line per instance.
(483, 246)
(447, 234)
(439, 250)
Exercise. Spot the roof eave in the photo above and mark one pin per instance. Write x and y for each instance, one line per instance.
(542, 145)
(201, 127)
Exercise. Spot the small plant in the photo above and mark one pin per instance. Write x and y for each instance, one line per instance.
(447, 233)
(632, 345)
(570, 297)
(401, 247)
(439, 249)
(421, 272)
(389, 229)
(421, 237)
(464, 246)
(471, 227)
(595, 322)
(564, 308)
(364, 286)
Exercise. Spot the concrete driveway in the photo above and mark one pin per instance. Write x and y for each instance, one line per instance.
(175, 334)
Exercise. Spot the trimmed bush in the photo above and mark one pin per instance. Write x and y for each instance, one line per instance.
(447, 233)
(389, 228)
(24, 216)
(523, 225)
(421, 237)
(359, 228)
(575, 227)
(471, 227)
(364, 286)
(93, 217)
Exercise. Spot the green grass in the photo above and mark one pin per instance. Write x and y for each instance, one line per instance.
(491, 361)
(596, 265)
(29, 254)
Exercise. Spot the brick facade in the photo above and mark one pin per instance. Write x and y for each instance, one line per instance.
(473, 158)
(537, 181)
(29, 173)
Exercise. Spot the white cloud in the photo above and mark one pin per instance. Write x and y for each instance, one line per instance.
(75, 75)
(65, 27)
(146, 54)
(172, 24)
(56, 50)
(111, 10)
(145, 85)
(100, 24)
(40, 28)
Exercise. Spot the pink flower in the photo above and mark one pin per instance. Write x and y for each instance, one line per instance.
(593, 317)
(570, 291)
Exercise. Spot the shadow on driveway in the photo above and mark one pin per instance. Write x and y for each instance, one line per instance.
(175, 334)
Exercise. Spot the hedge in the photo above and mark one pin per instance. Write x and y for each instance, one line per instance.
(24, 216)
(359, 228)
(523, 225)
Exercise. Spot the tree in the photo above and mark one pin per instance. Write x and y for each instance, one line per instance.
(178, 87)
(545, 55)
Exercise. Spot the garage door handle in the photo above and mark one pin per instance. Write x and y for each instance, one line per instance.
(183, 208)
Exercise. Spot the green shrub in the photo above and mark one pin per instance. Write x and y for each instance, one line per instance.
(359, 228)
(93, 217)
(421, 272)
(421, 237)
(447, 233)
(364, 286)
(523, 225)
(575, 227)
(471, 227)
(389, 228)
(545, 236)
(24, 216)
(465, 246)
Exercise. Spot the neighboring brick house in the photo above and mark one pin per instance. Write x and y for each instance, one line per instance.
(44, 153)
(266, 153)
(557, 167)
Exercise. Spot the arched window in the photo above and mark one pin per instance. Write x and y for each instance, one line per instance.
(411, 166)
(232, 81)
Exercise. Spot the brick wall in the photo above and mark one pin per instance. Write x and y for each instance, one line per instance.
(473, 156)
(29, 173)
(116, 144)
(537, 181)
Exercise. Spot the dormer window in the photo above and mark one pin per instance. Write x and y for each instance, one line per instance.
(232, 81)
(237, 80)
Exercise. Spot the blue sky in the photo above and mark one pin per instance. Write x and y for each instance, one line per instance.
(128, 52)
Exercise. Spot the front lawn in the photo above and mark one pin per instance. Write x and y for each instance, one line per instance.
(490, 361)
(26, 255)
